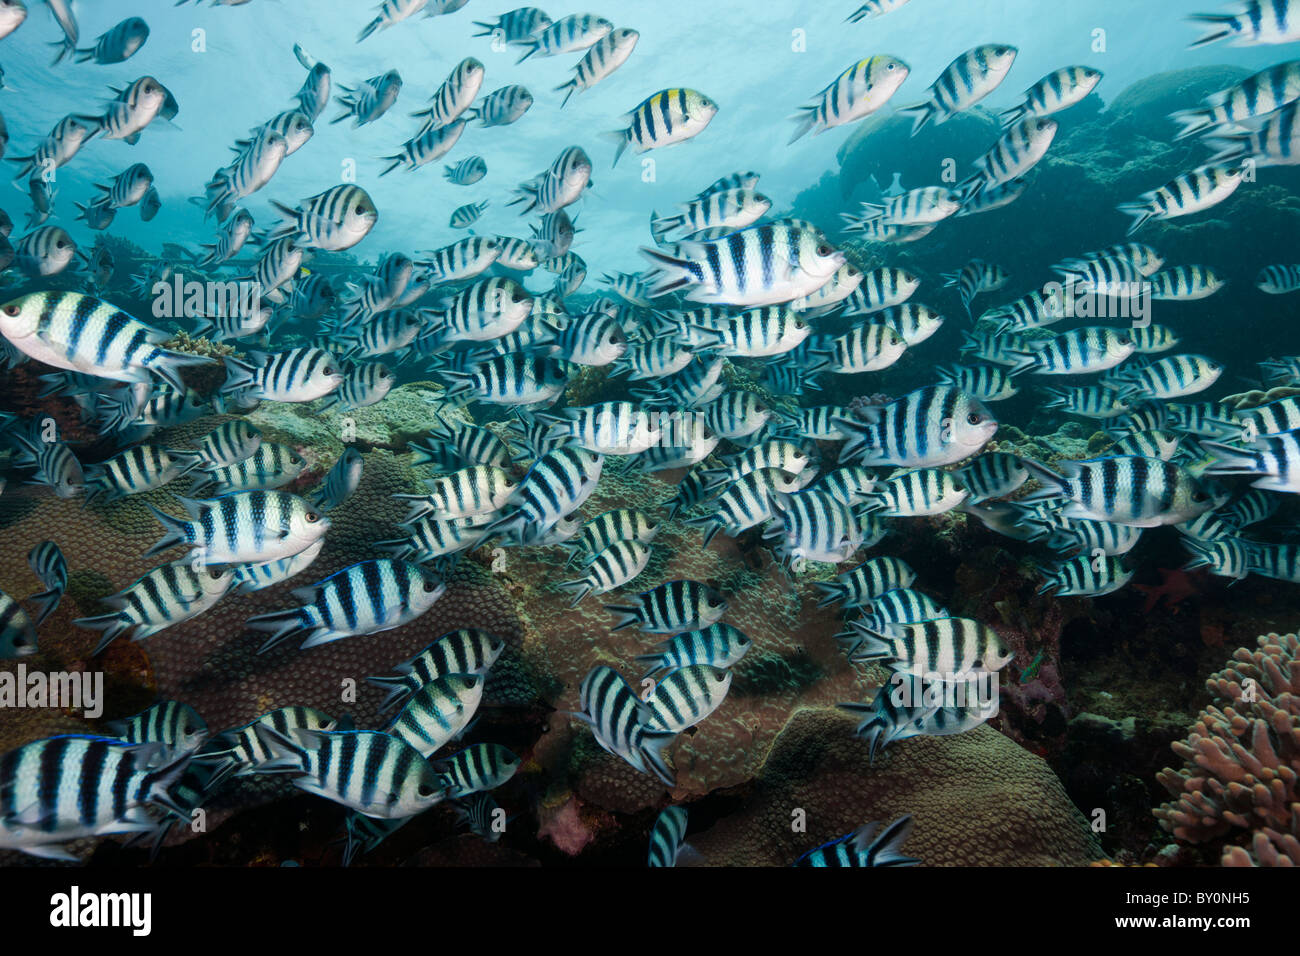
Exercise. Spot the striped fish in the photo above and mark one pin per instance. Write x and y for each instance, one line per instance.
(438, 711)
(592, 339)
(1090, 401)
(976, 277)
(463, 651)
(1173, 377)
(684, 697)
(1270, 418)
(913, 322)
(963, 83)
(745, 502)
(46, 251)
(666, 838)
(1273, 459)
(432, 538)
(552, 238)
(1278, 280)
(1149, 443)
(867, 846)
(607, 428)
(880, 289)
(139, 469)
(364, 384)
(604, 57)
(664, 119)
(1190, 193)
(135, 107)
(295, 375)
(916, 207)
(610, 527)
(1257, 95)
(341, 480)
(672, 607)
(1150, 339)
(165, 596)
(128, 187)
(271, 466)
(277, 266)
(294, 125)
(719, 645)
(1255, 22)
(333, 220)
(456, 93)
(1080, 351)
(385, 332)
(461, 445)
(764, 264)
(932, 426)
(370, 772)
(241, 528)
(56, 466)
(314, 94)
(363, 598)
(17, 630)
(467, 172)
(516, 26)
(944, 648)
(987, 383)
(850, 484)
(900, 606)
(243, 750)
(731, 209)
(174, 724)
(559, 186)
(502, 107)
(872, 9)
(476, 769)
(924, 491)
(1227, 558)
(1021, 147)
(813, 525)
(1251, 508)
(256, 162)
(73, 787)
(462, 217)
(555, 486)
(993, 475)
(620, 722)
(475, 490)
(49, 566)
(1141, 492)
(1057, 91)
(370, 99)
(1085, 576)
(858, 587)
(258, 577)
(1275, 143)
(1278, 561)
(430, 144)
(858, 92)
(390, 13)
(570, 34)
(464, 259)
(80, 333)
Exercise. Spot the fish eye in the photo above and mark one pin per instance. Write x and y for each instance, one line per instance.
(1199, 496)
(974, 418)
(312, 517)
(823, 250)
(59, 243)
(215, 575)
(329, 370)
(360, 208)
(295, 460)
(472, 682)
(12, 309)
(430, 587)
(425, 791)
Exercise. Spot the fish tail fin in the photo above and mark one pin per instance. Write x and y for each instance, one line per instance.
(370, 28)
(804, 121)
(1140, 213)
(1218, 26)
(175, 531)
(283, 625)
(45, 603)
(1054, 486)
(924, 113)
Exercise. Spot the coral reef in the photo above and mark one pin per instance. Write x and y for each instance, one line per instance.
(1242, 760)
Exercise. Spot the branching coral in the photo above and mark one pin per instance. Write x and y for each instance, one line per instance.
(1242, 760)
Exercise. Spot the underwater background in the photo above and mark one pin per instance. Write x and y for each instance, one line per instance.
(1122, 735)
